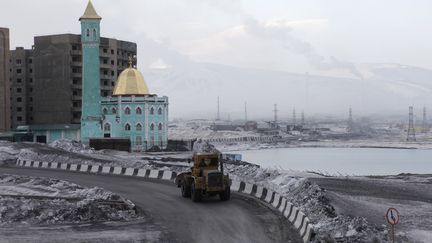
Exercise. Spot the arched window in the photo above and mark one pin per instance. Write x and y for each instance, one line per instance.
(104, 110)
(152, 127)
(138, 140)
(127, 127)
(88, 33)
(160, 126)
(94, 34)
(127, 111)
(138, 111)
(114, 110)
(107, 127)
(138, 127)
(151, 111)
(160, 111)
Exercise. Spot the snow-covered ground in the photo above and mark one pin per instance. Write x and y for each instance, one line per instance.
(34, 200)
(321, 206)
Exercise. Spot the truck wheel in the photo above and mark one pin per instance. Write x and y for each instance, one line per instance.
(185, 189)
(196, 193)
(225, 195)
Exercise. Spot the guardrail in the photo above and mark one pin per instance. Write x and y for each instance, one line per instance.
(272, 198)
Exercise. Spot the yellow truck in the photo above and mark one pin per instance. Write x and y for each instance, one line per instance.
(206, 178)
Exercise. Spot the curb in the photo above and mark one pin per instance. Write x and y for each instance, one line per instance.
(277, 201)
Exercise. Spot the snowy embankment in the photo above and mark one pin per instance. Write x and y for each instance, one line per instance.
(34, 200)
(312, 200)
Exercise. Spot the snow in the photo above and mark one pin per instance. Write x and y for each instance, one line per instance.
(36, 200)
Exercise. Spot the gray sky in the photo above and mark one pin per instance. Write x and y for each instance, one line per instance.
(334, 38)
(252, 33)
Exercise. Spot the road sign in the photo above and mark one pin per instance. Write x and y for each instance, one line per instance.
(392, 216)
(393, 219)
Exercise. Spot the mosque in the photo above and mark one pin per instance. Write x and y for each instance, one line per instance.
(131, 112)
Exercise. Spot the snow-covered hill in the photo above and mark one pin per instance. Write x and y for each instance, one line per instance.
(193, 89)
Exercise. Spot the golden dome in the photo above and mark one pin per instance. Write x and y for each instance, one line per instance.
(130, 82)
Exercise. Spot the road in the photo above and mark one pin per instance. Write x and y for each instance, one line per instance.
(172, 218)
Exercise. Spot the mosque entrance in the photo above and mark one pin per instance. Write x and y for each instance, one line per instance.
(107, 135)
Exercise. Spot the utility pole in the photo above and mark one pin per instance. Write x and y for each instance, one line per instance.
(350, 120)
(275, 113)
(425, 126)
(294, 116)
(411, 132)
(246, 118)
(218, 111)
(302, 118)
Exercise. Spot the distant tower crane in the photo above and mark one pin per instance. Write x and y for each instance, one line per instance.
(411, 132)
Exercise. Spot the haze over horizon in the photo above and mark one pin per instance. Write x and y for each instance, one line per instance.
(182, 45)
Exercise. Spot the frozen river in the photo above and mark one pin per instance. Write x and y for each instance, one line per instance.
(351, 161)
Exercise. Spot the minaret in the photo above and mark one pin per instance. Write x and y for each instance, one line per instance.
(91, 116)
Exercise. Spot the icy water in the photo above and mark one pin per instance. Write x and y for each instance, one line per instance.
(351, 161)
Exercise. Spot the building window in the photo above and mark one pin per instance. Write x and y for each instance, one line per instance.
(127, 111)
(19, 99)
(105, 61)
(19, 90)
(151, 141)
(18, 61)
(114, 110)
(19, 118)
(112, 51)
(160, 141)
(138, 111)
(31, 108)
(30, 70)
(88, 33)
(94, 34)
(107, 127)
(74, 47)
(19, 80)
(138, 127)
(31, 99)
(30, 80)
(105, 50)
(127, 127)
(30, 61)
(75, 104)
(160, 111)
(160, 126)
(18, 70)
(152, 127)
(105, 111)
(19, 109)
(112, 63)
(138, 140)
(31, 90)
(151, 111)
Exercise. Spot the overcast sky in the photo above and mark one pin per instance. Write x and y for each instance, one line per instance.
(322, 37)
(296, 36)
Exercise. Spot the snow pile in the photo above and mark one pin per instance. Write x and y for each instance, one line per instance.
(7, 151)
(71, 146)
(312, 200)
(204, 147)
(34, 200)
